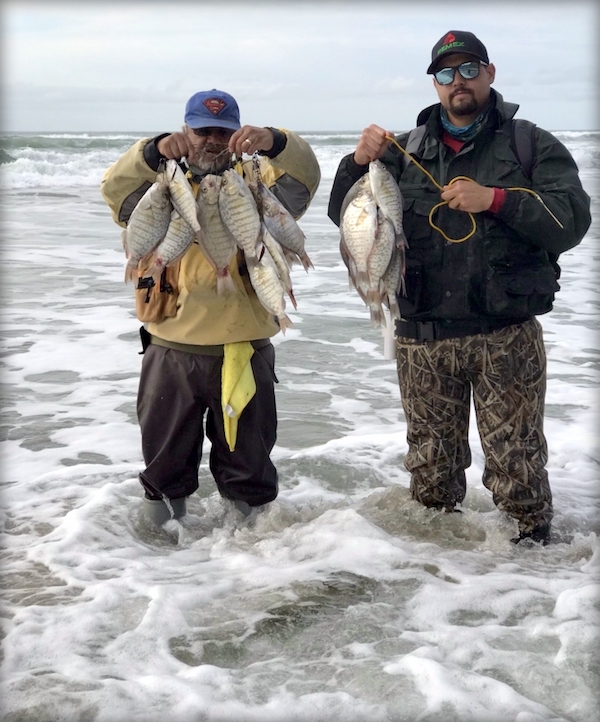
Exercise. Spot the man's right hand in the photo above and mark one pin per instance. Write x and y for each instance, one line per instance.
(371, 145)
(177, 145)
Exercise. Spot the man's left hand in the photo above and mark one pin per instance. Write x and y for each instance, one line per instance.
(468, 196)
(250, 138)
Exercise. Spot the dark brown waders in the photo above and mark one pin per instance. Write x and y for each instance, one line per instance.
(177, 389)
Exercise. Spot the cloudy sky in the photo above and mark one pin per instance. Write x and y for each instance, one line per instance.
(123, 66)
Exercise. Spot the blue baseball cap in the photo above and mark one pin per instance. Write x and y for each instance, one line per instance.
(212, 109)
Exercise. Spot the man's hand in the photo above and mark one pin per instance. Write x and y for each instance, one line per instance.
(468, 196)
(371, 145)
(250, 138)
(176, 145)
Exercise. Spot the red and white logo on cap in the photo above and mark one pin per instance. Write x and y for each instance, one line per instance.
(449, 39)
(215, 105)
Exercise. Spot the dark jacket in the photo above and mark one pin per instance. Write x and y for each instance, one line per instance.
(508, 268)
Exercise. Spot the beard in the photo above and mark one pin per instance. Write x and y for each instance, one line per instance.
(465, 105)
(211, 158)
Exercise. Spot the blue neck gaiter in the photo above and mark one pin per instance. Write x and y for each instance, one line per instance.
(468, 132)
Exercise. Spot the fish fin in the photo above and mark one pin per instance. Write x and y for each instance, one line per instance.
(131, 272)
(361, 278)
(374, 296)
(362, 295)
(145, 260)
(401, 239)
(402, 288)
(392, 304)
(305, 261)
(290, 293)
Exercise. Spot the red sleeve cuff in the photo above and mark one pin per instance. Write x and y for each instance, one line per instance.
(499, 197)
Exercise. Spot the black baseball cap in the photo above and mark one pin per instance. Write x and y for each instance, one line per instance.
(457, 41)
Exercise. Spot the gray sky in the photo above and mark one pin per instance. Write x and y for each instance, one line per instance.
(121, 66)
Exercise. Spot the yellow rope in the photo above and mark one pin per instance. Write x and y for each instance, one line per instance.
(443, 203)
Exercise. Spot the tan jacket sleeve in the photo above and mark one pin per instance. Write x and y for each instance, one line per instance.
(126, 181)
(298, 160)
(293, 175)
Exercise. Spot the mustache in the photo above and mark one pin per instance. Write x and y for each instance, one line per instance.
(462, 89)
(214, 148)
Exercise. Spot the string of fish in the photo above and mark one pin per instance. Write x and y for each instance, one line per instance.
(268, 235)
(471, 216)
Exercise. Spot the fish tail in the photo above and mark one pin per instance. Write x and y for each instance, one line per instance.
(156, 269)
(377, 317)
(225, 282)
(284, 322)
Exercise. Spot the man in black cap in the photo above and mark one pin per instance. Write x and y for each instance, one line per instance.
(190, 326)
(472, 294)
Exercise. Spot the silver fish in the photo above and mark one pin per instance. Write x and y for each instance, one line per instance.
(387, 194)
(147, 226)
(358, 229)
(215, 240)
(372, 250)
(269, 288)
(380, 256)
(179, 237)
(378, 264)
(239, 213)
(282, 225)
(393, 282)
(182, 196)
(280, 261)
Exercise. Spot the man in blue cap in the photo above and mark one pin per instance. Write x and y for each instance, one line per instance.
(212, 132)
(188, 324)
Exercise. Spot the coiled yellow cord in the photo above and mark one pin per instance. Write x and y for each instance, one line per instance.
(443, 203)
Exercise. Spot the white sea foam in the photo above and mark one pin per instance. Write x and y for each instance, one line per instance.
(345, 600)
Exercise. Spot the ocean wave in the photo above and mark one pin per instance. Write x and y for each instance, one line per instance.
(58, 160)
(35, 169)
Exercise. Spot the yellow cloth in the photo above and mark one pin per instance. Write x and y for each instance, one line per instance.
(237, 386)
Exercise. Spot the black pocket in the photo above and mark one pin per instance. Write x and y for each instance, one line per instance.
(529, 292)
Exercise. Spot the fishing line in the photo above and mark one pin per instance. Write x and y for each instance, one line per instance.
(443, 203)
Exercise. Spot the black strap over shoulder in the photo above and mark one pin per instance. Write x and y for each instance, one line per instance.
(522, 141)
(413, 143)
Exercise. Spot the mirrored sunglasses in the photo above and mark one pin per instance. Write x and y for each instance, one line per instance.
(468, 71)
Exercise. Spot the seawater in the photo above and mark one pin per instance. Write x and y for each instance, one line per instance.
(345, 600)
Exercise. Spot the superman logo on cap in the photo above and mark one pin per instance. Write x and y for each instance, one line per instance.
(215, 105)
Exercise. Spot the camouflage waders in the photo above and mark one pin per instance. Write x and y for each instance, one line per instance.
(506, 370)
